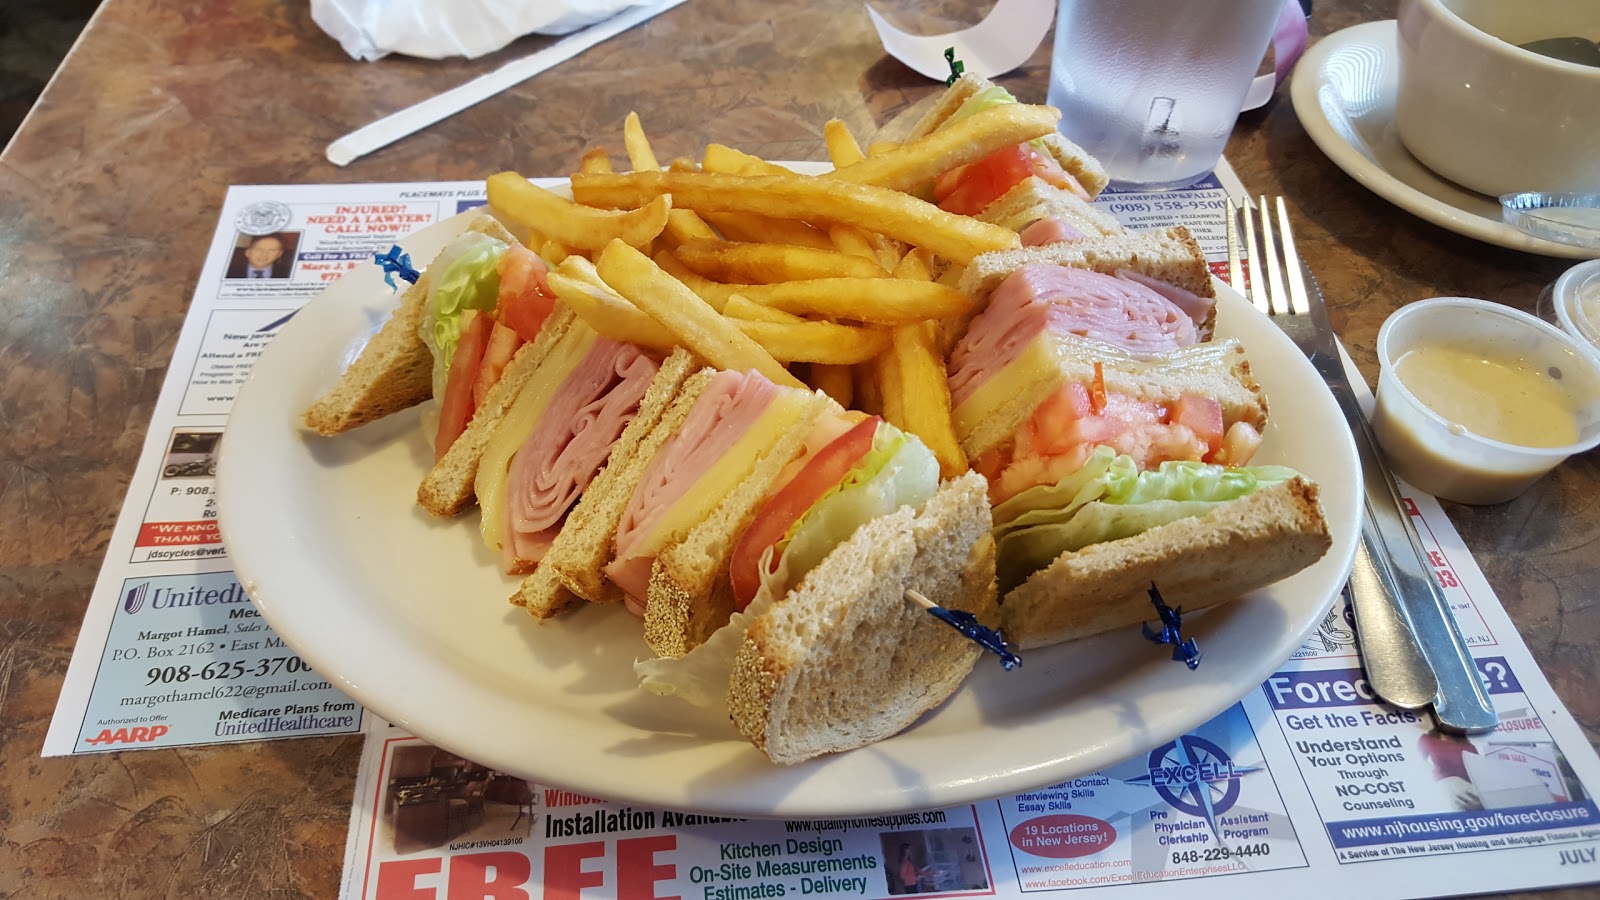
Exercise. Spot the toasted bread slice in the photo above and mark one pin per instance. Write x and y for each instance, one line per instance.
(447, 489)
(690, 594)
(1074, 159)
(844, 660)
(1168, 254)
(587, 541)
(1195, 563)
(1033, 199)
(395, 369)
(583, 544)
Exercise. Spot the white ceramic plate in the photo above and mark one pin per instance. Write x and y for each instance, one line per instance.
(1344, 92)
(408, 615)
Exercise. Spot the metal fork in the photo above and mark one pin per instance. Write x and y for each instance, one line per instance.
(1412, 650)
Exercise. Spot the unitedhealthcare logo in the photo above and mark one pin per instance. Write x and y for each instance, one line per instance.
(183, 592)
(134, 601)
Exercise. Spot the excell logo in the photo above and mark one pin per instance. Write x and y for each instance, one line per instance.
(1195, 776)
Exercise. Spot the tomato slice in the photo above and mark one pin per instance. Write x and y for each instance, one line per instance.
(1202, 415)
(502, 345)
(968, 189)
(456, 409)
(983, 182)
(525, 299)
(826, 469)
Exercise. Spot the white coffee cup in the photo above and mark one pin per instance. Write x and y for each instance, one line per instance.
(1481, 111)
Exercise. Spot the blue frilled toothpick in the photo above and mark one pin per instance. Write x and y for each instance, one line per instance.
(966, 623)
(1185, 651)
(396, 262)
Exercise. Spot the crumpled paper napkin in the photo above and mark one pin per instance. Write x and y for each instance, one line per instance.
(436, 29)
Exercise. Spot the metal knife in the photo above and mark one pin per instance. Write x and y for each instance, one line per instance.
(1402, 615)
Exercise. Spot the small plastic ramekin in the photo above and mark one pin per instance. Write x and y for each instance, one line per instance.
(1443, 458)
(1572, 303)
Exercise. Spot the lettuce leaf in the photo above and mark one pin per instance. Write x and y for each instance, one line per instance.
(1109, 499)
(898, 470)
(700, 677)
(982, 100)
(464, 278)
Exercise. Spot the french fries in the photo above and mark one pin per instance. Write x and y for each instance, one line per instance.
(816, 342)
(739, 262)
(682, 224)
(696, 325)
(792, 197)
(835, 381)
(790, 338)
(579, 286)
(575, 224)
(916, 395)
(595, 161)
(878, 301)
(640, 153)
(919, 162)
(753, 266)
(843, 148)
(739, 307)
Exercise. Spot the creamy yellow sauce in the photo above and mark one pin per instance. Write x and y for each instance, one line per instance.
(1503, 398)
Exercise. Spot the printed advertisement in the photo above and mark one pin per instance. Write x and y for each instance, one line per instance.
(1204, 804)
(1386, 784)
(428, 823)
(171, 652)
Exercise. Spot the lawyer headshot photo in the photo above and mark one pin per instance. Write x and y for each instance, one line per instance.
(263, 255)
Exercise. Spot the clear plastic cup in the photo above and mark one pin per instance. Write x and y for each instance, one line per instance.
(1445, 458)
(1572, 303)
(1151, 88)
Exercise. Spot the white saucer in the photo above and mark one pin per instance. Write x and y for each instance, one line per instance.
(1343, 91)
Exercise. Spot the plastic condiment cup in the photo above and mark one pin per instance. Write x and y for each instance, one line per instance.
(1443, 458)
(1573, 303)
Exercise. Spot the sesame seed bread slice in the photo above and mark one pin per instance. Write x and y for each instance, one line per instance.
(591, 524)
(690, 592)
(844, 660)
(448, 488)
(587, 540)
(1195, 563)
(394, 370)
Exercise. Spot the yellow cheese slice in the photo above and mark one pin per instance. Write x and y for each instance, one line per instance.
(519, 421)
(719, 480)
(1034, 366)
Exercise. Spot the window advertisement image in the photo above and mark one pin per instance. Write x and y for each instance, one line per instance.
(1204, 804)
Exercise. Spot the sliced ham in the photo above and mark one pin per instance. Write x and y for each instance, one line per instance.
(731, 403)
(1049, 230)
(1118, 311)
(585, 417)
(1196, 307)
